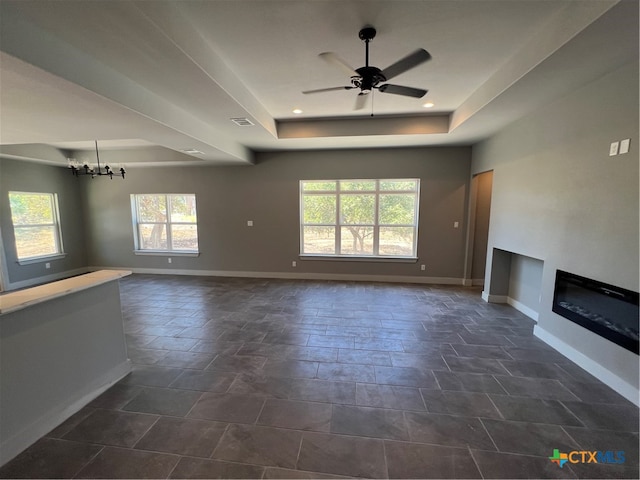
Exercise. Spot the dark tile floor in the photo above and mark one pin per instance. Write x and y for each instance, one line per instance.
(244, 378)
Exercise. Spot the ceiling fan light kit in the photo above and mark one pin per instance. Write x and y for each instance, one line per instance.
(369, 77)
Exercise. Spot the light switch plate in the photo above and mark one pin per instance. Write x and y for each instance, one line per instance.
(624, 145)
(613, 149)
(249, 223)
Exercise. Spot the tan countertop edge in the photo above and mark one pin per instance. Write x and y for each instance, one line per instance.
(13, 301)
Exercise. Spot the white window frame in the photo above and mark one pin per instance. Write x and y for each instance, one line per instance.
(138, 250)
(55, 213)
(376, 226)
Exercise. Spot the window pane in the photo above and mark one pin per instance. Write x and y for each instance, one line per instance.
(349, 185)
(153, 237)
(184, 237)
(356, 240)
(397, 209)
(319, 240)
(357, 209)
(318, 185)
(183, 208)
(319, 209)
(31, 208)
(35, 241)
(396, 241)
(152, 208)
(398, 185)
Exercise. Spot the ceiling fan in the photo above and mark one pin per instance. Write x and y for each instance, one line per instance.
(369, 77)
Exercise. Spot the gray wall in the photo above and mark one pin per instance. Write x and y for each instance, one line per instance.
(268, 194)
(525, 281)
(559, 197)
(33, 177)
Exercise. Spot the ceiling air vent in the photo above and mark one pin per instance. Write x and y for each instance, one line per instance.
(242, 122)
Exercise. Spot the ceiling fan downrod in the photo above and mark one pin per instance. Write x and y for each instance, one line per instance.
(367, 34)
(370, 77)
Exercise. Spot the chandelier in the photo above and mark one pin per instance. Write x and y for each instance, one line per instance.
(85, 169)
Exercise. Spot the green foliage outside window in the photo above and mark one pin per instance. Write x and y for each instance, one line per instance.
(359, 217)
(35, 224)
(166, 222)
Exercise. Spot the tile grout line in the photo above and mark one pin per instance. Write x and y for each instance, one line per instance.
(488, 434)
(495, 406)
(226, 429)
(75, 475)
(186, 415)
(384, 454)
(475, 461)
(175, 466)
(299, 450)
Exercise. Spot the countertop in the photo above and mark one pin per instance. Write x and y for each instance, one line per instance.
(13, 301)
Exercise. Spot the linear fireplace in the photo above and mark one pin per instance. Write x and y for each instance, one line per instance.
(610, 311)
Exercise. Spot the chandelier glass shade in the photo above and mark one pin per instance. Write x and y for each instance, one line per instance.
(78, 169)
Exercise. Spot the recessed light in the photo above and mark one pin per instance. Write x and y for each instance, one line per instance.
(192, 151)
(428, 105)
(297, 111)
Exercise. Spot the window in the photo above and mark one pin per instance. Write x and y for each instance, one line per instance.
(36, 225)
(165, 223)
(359, 217)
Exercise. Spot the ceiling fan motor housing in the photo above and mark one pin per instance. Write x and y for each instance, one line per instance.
(367, 33)
(370, 77)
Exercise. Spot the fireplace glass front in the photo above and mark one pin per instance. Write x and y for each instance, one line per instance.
(610, 311)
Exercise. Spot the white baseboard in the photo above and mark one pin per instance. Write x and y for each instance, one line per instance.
(12, 446)
(606, 376)
(46, 279)
(487, 297)
(293, 276)
(521, 307)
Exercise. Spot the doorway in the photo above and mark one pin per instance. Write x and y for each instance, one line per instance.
(478, 234)
(4, 278)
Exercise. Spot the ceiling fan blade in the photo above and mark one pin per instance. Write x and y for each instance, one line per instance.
(334, 59)
(412, 60)
(361, 101)
(402, 90)
(330, 89)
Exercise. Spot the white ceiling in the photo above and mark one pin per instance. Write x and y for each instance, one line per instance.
(150, 79)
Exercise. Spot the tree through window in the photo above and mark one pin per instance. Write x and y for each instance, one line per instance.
(165, 223)
(36, 225)
(359, 217)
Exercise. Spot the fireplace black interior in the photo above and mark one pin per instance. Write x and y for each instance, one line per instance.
(610, 311)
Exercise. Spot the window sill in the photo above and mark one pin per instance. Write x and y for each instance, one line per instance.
(48, 258)
(359, 258)
(166, 253)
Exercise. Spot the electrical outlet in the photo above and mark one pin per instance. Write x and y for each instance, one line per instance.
(423, 267)
(613, 148)
(47, 265)
(249, 223)
(456, 224)
(169, 260)
(624, 146)
(294, 264)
